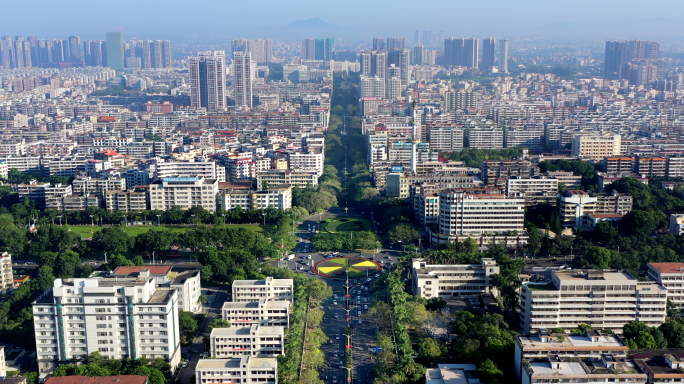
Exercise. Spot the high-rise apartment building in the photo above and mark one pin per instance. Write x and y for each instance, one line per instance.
(330, 44)
(488, 54)
(309, 49)
(453, 51)
(365, 63)
(396, 43)
(596, 146)
(270, 288)
(471, 51)
(115, 50)
(156, 56)
(207, 80)
(400, 58)
(184, 192)
(603, 299)
(379, 64)
(167, 56)
(119, 318)
(503, 56)
(378, 43)
(619, 53)
(242, 80)
(319, 49)
(75, 49)
(261, 49)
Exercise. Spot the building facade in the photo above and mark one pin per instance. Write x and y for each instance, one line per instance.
(256, 341)
(255, 290)
(453, 280)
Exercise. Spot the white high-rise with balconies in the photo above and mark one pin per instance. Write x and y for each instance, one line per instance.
(207, 80)
(119, 318)
(242, 79)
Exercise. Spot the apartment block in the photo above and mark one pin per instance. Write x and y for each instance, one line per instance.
(127, 201)
(485, 138)
(575, 207)
(276, 196)
(184, 192)
(85, 185)
(255, 290)
(484, 217)
(119, 318)
(246, 369)
(186, 283)
(299, 179)
(652, 166)
(671, 276)
(256, 341)
(619, 164)
(568, 179)
(453, 280)
(499, 169)
(675, 166)
(607, 368)
(77, 203)
(533, 190)
(263, 312)
(306, 162)
(542, 344)
(446, 138)
(596, 146)
(6, 273)
(603, 299)
(203, 169)
(614, 203)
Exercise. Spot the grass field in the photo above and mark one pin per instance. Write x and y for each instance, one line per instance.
(347, 224)
(336, 267)
(134, 230)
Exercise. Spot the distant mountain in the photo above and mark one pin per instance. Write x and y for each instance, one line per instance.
(314, 23)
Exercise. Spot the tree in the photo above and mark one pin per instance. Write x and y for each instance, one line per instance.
(116, 261)
(403, 233)
(111, 240)
(187, 322)
(581, 329)
(436, 304)
(217, 323)
(673, 332)
(596, 258)
(430, 351)
(489, 372)
(639, 223)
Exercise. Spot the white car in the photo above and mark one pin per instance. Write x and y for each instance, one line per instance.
(335, 353)
(185, 364)
(335, 296)
(335, 302)
(337, 336)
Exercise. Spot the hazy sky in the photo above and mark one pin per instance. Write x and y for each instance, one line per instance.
(227, 18)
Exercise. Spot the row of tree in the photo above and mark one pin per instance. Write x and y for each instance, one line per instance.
(157, 371)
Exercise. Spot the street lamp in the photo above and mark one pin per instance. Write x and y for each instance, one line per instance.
(264, 215)
(158, 220)
(193, 220)
(92, 221)
(125, 220)
(60, 220)
(224, 219)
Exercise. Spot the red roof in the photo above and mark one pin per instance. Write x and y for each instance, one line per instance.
(606, 215)
(667, 267)
(155, 270)
(122, 379)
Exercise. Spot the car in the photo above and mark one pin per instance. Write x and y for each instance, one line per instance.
(185, 364)
(341, 365)
(335, 296)
(365, 300)
(358, 297)
(365, 306)
(334, 379)
(335, 353)
(341, 353)
(335, 302)
(193, 350)
(337, 336)
(337, 316)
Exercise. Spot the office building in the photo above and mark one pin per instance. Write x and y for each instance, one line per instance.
(207, 81)
(488, 54)
(255, 290)
(119, 318)
(542, 344)
(575, 206)
(503, 56)
(242, 80)
(483, 217)
(453, 280)
(603, 299)
(276, 196)
(255, 341)
(184, 192)
(670, 276)
(245, 369)
(452, 374)
(115, 50)
(264, 312)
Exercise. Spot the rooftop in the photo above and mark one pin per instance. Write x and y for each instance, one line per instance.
(574, 368)
(255, 304)
(233, 331)
(183, 276)
(122, 379)
(253, 362)
(569, 275)
(667, 267)
(570, 343)
(161, 295)
(263, 282)
(154, 270)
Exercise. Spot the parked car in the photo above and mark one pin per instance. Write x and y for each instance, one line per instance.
(337, 336)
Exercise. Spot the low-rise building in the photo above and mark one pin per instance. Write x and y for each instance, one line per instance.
(533, 190)
(270, 288)
(276, 196)
(263, 312)
(245, 369)
(127, 201)
(603, 299)
(300, 179)
(256, 341)
(542, 344)
(452, 374)
(676, 224)
(670, 276)
(453, 280)
(606, 369)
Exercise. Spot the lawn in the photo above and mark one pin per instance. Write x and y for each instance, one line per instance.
(86, 231)
(347, 224)
(338, 267)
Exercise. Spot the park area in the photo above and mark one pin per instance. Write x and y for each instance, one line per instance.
(86, 231)
(338, 266)
(346, 224)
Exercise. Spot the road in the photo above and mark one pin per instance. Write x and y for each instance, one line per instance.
(213, 311)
